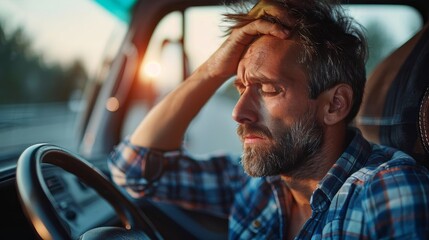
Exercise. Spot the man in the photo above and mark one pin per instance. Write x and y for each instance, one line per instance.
(299, 69)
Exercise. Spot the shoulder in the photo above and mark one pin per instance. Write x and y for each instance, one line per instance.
(392, 174)
(395, 194)
(386, 162)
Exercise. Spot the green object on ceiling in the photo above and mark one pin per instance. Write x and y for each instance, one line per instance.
(119, 8)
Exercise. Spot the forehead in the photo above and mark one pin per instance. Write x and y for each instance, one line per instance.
(272, 58)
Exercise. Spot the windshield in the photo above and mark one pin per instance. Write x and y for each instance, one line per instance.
(51, 53)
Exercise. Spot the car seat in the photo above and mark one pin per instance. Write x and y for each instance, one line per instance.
(395, 107)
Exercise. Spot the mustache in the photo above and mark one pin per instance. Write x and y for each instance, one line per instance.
(253, 129)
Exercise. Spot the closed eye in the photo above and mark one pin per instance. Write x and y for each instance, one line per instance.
(267, 89)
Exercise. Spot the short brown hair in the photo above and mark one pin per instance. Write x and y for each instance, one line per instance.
(334, 46)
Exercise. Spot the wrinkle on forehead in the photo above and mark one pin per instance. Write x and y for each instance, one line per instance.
(258, 61)
(268, 57)
(260, 50)
(253, 61)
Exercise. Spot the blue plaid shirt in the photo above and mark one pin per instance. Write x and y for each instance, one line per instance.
(371, 192)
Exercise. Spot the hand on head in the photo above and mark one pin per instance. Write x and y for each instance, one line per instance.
(259, 21)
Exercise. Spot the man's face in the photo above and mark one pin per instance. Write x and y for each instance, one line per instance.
(278, 123)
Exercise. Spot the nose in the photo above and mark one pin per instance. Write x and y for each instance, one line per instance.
(246, 109)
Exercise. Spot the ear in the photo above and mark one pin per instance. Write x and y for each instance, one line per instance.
(337, 105)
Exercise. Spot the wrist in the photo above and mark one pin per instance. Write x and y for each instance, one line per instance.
(211, 72)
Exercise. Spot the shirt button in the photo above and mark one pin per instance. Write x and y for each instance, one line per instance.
(256, 224)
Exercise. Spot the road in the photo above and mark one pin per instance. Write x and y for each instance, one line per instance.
(23, 125)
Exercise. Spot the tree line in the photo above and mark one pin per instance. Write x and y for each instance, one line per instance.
(26, 78)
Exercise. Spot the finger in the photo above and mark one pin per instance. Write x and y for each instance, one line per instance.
(264, 27)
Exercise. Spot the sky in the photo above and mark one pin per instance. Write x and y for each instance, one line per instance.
(77, 29)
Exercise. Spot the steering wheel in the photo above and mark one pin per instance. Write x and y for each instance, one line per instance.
(37, 201)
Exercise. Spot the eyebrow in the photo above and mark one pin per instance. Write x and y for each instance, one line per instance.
(260, 79)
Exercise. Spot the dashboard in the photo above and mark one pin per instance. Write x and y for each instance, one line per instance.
(78, 205)
(81, 209)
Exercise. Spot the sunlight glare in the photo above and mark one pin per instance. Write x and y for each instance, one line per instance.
(152, 69)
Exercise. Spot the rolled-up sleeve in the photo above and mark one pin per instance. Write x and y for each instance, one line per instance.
(207, 183)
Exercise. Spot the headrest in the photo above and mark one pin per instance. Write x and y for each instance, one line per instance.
(395, 107)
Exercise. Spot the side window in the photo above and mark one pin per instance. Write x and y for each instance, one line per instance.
(161, 70)
(174, 52)
(48, 58)
(213, 129)
(387, 27)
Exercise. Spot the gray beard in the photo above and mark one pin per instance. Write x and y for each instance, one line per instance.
(292, 152)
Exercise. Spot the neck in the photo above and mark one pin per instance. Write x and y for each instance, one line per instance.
(300, 190)
(302, 182)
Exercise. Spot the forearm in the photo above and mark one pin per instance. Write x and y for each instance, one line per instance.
(164, 127)
(178, 179)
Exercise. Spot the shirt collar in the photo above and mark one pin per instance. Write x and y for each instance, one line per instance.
(352, 159)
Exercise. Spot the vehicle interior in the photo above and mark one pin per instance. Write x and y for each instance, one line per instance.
(76, 78)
